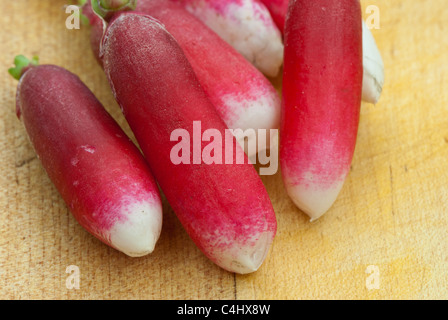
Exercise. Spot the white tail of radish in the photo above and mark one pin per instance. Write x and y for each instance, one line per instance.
(373, 78)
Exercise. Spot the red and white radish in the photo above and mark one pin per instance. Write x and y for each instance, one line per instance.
(100, 173)
(224, 207)
(322, 84)
(247, 26)
(373, 79)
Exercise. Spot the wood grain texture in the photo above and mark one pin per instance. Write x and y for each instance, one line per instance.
(392, 212)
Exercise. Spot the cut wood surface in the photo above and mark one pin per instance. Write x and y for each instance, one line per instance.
(389, 224)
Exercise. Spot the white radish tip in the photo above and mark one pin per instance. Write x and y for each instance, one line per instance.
(314, 201)
(371, 88)
(262, 112)
(373, 65)
(138, 234)
(249, 259)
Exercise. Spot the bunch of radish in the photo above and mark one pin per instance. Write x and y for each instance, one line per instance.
(176, 64)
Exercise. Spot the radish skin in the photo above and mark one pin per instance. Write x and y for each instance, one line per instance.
(322, 85)
(373, 65)
(101, 175)
(223, 207)
(247, 26)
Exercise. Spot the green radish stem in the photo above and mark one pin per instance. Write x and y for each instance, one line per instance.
(106, 8)
(117, 4)
(21, 62)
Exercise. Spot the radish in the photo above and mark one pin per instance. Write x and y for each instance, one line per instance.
(373, 79)
(243, 97)
(247, 26)
(322, 84)
(100, 173)
(224, 207)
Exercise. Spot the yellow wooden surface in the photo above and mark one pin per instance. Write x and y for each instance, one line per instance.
(392, 212)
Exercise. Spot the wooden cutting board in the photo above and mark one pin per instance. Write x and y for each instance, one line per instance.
(386, 237)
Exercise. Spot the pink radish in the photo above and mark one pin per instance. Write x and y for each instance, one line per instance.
(224, 207)
(247, 26)
(243, 97)
(322, 83)
(373, 79)
(99, 172)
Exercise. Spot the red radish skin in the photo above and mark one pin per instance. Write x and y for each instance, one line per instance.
(100, 173)
(224, 207)
(373, 78)
(242, 95)
(322, 83)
